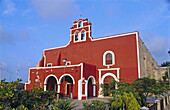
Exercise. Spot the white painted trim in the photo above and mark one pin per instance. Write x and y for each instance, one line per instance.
(102, 38)
(81, 71)
(75, 36)
(79, 36)
(104, 58)
(46, 79)
(58, 90)
(93, 82)
(66, 75)
(79, 27)
(29, 80)
(138, 57)
(93, 79)
(100, 79)
(55, 67)
(44, 60)
(108, 74)
(114, 36)
(108, 69)
(86, 88)
(79, 89)
(94, 90)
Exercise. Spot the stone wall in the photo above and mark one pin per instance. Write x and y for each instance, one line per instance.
(149, 67)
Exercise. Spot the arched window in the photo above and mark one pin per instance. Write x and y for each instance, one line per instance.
(80, 24)
(76, 36)
(83, 35)
(108, 58)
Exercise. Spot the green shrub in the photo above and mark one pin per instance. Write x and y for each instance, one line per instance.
(94, 105)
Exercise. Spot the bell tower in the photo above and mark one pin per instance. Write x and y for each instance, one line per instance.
(80, 31)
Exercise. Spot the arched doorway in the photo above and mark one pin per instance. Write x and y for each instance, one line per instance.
(91, 87)
(106, 78)
(51, 84)
(66, 84)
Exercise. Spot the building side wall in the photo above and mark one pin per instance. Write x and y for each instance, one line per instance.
(149, 67)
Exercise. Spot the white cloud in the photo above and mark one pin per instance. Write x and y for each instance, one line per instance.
(10, 7)
(159, 47)
(55, 9)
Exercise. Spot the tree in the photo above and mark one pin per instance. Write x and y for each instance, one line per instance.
(146, 85)
(165, 64)
(127, 101)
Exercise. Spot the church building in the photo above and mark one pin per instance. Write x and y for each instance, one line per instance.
(81, 66)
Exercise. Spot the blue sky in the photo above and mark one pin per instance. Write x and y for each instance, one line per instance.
(29, 26)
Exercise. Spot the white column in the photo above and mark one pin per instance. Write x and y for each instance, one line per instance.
(164, 103)
(158, 104)
(44, 87)
(86, 91)
(58, 90)
(100, 89)
(79, 90)
(94, 90)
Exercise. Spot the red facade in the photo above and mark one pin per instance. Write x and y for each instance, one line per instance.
(89, 62)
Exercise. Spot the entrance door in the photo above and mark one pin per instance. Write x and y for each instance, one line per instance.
(51, 84)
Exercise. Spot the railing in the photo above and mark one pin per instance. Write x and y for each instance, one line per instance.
(153, 107)
(161, 104)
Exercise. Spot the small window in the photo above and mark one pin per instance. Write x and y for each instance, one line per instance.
(76, 37)
(80, 24)
(108, 59)
(83, 35)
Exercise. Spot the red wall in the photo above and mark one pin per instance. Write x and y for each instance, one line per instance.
(124, 48)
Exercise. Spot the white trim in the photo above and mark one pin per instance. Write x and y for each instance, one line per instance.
(114, 36)
(93, 79)
(138, 57)
(81, 70)
(58, 90)
(108, 74)
(46, 79)
(80, 21)
(44, 60)
(76, 32)
(29, 80)
(55, 67)
(79, 36)
(79, 27)
(102, 38)
(64, 76)
(94, 90)
(79, 89)
(104, 58)
(93, 85)
(100, 78)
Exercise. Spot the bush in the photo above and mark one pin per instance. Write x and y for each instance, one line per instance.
(125, 102)
(94, 105)
(64, 104)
